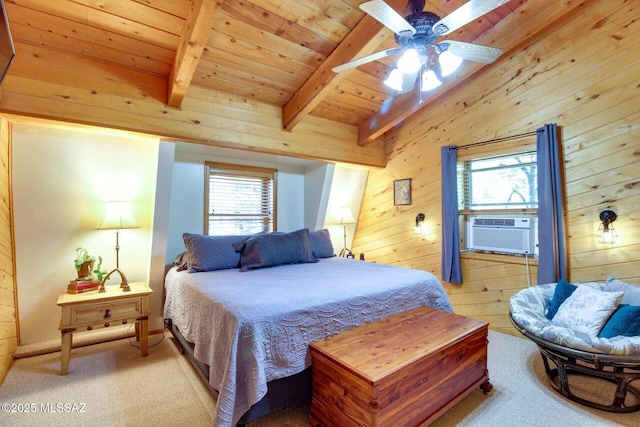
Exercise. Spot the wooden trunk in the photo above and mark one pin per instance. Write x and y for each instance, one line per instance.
(404, 370)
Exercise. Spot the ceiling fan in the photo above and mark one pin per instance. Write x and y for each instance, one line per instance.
(416, 34)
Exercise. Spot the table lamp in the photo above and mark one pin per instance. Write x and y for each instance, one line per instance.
(117, 217)
(346, 217)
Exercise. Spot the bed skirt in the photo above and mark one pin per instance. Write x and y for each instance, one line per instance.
(282, 393)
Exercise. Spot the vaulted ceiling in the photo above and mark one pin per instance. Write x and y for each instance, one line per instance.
(277, 52)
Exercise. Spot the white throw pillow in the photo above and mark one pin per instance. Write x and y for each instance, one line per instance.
(631, 292)
(587, 310)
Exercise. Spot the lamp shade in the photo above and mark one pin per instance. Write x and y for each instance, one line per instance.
(346, 217)
(117, 217)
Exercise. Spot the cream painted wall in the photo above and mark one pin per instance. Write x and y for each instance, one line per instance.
(166, 154)
(347, 190)
(187, 195)
(62, 179)
(317, 182)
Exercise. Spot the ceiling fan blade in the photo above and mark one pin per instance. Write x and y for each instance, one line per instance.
(387, 16)
(465, 14)
(365, 59)
(470, 51)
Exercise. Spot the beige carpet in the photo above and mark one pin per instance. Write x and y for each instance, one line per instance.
(111, 384)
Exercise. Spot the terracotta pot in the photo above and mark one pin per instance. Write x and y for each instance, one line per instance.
(86, 270)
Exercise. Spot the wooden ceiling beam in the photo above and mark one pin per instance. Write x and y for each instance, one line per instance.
(519, 26)
(362, 40)
(197, 27)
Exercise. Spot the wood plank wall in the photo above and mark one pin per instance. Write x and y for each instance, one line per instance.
(8, 330)
(582, 76)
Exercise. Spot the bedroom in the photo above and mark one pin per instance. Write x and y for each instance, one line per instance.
(580, 73)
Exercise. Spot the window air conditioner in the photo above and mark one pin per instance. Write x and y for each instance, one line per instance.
(500, 234)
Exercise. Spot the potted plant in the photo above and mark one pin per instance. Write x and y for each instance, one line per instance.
(99, 272)
(84, 263)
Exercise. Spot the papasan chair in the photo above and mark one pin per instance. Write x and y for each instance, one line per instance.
(590, 329)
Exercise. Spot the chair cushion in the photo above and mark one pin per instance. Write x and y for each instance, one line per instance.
(631, 292)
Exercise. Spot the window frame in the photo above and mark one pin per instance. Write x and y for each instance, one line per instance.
(504, 148)
(241, 171)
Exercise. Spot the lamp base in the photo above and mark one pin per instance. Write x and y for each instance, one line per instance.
(124, 285)
(346, 253)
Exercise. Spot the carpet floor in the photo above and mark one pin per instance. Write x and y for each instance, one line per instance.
(111, 384)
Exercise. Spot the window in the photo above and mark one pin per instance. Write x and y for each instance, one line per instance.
(503, 183)
(498, 203)
(239, 199)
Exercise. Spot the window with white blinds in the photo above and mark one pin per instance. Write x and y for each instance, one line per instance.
(498, 197)
(239, 199)
(507, 182)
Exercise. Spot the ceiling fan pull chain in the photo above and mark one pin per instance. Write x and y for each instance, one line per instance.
(420, 100)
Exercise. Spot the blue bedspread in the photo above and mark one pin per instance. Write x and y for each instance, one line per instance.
(253, 327)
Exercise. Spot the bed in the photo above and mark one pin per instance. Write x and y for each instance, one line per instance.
(249, 328)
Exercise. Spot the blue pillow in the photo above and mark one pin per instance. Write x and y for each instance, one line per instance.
(208, 253)
(562, 292)
(270, 250)
(624, 321)
(320, 242)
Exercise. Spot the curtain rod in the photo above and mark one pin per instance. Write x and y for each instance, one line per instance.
(490, 141)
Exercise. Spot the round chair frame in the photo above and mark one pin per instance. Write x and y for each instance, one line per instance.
(620, 370)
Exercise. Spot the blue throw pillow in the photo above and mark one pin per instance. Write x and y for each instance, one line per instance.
(270, 250)
(208, 253)
(562, 292)
(624, 321)
(320, 242)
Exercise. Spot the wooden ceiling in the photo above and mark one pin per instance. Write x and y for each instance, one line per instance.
(277, 52)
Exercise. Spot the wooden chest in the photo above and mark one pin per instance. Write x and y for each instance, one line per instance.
(405, 370)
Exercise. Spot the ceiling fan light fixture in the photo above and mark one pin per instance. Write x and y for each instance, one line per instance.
(394, 81)
(429, 81)
(409, 62)
(422, 60)
(449, 62)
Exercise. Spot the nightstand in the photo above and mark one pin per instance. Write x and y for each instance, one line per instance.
(92, 310)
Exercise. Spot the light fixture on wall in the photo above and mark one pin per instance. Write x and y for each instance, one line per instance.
(606, 233)
(417, 228)
(346, 217)
(117, 217)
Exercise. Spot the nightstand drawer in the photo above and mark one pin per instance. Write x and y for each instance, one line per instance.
(105, 312)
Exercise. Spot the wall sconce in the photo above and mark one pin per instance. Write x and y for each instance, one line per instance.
(417, 228)
(606, 233)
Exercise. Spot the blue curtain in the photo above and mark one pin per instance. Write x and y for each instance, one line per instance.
(451, 269)
(552, 261)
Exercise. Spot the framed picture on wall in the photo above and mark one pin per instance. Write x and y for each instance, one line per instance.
(402, 192)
